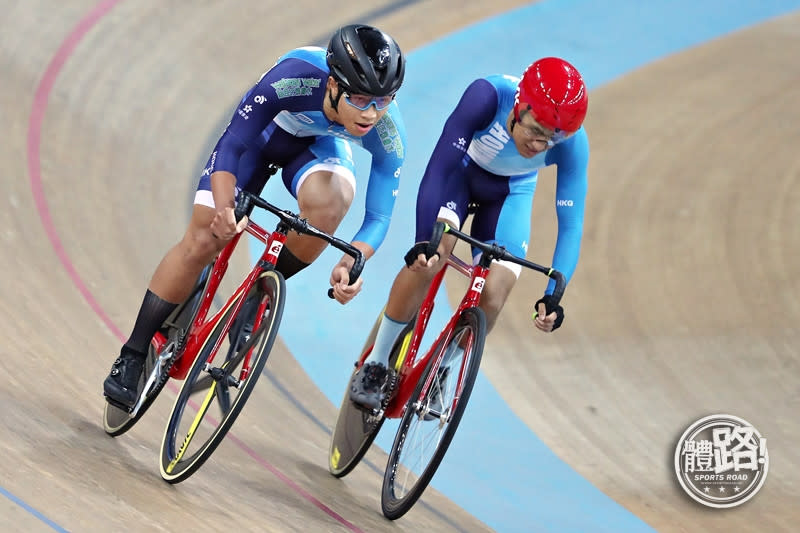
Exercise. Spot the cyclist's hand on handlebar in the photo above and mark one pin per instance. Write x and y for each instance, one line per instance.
(343, 292)
(548, 317)
(224, 226)
(422, 263)
(417, 260)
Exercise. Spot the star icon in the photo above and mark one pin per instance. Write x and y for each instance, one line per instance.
(736, 489)
(248, 108)
(462, 141)
(707, 489)
(722, 489)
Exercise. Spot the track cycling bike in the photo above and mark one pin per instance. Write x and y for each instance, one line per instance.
(428, 391)
(220, 355)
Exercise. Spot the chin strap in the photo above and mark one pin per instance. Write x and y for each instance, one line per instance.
(335, 103)
(516, 117)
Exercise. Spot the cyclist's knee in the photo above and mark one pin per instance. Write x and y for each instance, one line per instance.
(326, 217)
(498, 286)
(199, 246)
(324, 198)
(492, 303)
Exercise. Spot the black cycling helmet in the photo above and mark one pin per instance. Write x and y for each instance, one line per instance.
(364, 60)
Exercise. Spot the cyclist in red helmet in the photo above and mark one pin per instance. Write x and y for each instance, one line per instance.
(501, 132)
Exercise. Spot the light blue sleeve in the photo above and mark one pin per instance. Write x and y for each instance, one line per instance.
(572, 159)
(387, 144)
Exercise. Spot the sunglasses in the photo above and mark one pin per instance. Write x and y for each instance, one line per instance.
(363, 101)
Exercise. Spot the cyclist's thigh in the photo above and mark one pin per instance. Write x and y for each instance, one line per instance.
(328, 157)
(279, 148)
(505, 219)
(250, 163)
(441, 198)
(502, 277)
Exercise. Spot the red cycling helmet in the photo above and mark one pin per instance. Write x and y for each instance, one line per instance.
(555, 93)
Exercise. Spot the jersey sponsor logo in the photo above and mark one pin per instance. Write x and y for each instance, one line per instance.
(390, 137)
(490, 143)
(243, 111)
(290, 87)
(207, 171)
(303, 118)
(461, 144)
(565, 203)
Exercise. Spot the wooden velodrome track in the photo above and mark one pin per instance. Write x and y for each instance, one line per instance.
(685, 302)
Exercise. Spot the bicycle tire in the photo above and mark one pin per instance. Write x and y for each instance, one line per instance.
(355, 429)
(176, 464)
(117, 421)
(392, 505)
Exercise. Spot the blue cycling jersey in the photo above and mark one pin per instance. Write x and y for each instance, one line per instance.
(288, 100)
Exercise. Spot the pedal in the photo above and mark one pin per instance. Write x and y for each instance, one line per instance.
(118, 405)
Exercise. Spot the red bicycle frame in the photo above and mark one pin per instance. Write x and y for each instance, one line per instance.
(201, 328)
(273, 242)
(412, 368)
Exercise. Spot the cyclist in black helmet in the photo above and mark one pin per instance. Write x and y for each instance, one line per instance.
(303, 115)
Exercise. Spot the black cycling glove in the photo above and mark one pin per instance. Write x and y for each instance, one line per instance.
(548, 302)
(413, 253)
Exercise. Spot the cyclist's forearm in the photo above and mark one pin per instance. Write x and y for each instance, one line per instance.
(223, 188)
(365, 248)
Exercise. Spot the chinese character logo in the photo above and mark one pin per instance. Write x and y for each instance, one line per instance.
(721, 461)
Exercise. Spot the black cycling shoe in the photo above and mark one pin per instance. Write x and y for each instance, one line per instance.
(122, 384)
(366, 387)
(435, 394)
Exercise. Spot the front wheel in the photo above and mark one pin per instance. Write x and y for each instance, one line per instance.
(223, 377)
(432, 414)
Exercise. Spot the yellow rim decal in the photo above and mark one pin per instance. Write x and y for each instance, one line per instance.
(193, 428)
(403, 350)
(335, 456)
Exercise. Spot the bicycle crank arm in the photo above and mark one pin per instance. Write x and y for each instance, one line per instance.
(162, 361)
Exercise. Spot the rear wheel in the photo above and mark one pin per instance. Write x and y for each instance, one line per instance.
(117, 420)
(432, 415)
(220, 380)
(356, 428)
